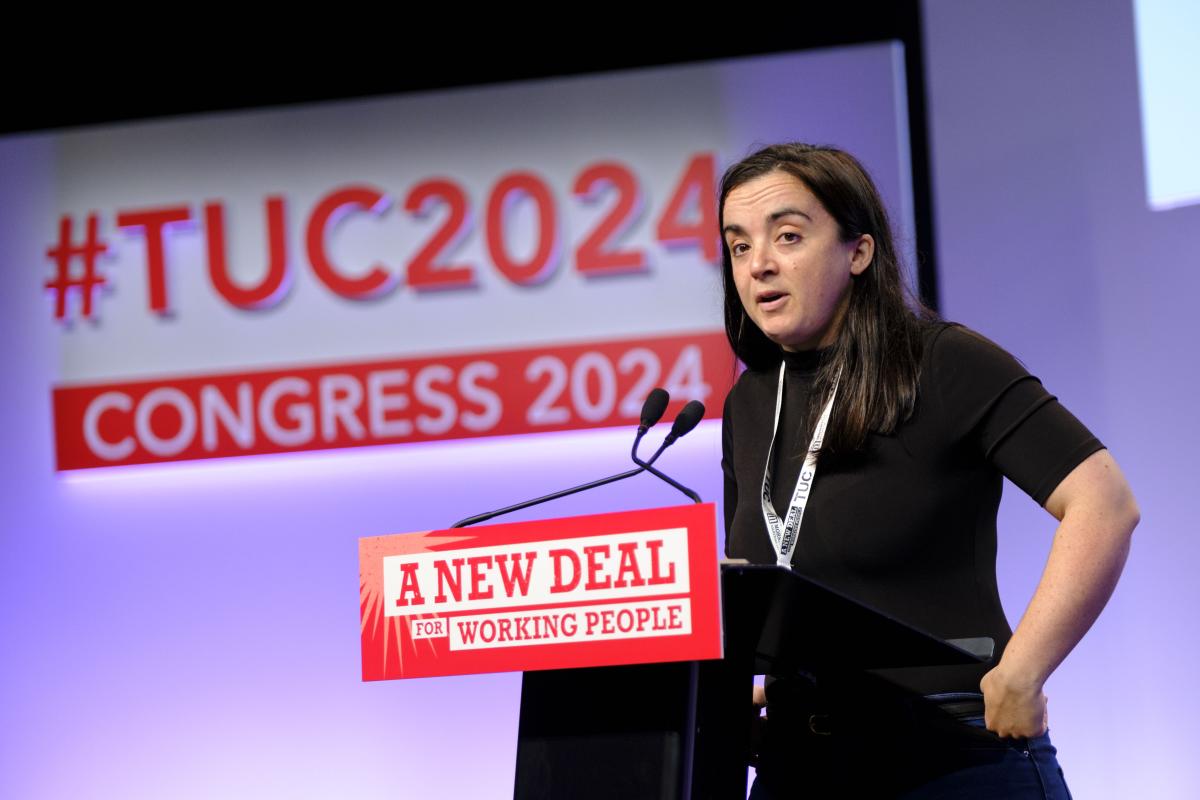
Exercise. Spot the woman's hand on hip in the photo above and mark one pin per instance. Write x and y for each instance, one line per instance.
(1013, 707)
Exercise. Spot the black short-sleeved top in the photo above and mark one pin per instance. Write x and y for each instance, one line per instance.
(907, 526)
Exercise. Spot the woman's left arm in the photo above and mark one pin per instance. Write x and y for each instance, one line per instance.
(1097, 515)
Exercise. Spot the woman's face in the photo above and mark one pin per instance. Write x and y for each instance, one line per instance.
(791, 268)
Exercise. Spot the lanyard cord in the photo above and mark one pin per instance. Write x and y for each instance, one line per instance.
(783, 532)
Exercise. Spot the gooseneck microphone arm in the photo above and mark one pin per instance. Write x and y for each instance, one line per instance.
(688, 418)
(652, 411)
(462, 523)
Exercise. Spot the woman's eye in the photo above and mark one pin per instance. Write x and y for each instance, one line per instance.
(738, 248)
(789, 236)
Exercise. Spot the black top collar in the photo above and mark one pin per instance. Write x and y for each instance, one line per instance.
(805, 360)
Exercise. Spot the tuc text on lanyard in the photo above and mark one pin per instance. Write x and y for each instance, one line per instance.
(783, 532)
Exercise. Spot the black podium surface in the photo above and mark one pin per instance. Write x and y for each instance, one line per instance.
(682, 729)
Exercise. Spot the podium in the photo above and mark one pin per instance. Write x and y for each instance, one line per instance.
(617, 621)
(682, 729)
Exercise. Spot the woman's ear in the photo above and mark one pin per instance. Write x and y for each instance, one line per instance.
(864, 251)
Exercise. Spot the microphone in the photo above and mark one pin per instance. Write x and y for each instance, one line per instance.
(652, 411)
(685, 421)
(653, 408)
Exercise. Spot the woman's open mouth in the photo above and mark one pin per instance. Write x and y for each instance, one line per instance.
(770, 300)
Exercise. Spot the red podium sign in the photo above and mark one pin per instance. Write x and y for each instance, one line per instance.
(623, 588)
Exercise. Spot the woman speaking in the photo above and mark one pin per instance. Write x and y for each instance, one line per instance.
(865, 447)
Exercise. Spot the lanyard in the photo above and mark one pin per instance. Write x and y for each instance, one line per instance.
(783, 532)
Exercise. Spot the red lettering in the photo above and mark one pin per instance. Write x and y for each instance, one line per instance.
(674, 622)
(427, 627)
(595, 566)
(513, 575)
(629, 564)
(467, 631)
(271, 289)
(446, 579)
(656, 576)
(592, 257)
(643, 616)
(698, 181)
(541, 263)
(152, 221)
(422, 272)
(337, 202)
(410, 586)
(561, 585)
(479, 587)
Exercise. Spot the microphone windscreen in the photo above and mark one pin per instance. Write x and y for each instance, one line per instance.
(688, 418)
(653, 408)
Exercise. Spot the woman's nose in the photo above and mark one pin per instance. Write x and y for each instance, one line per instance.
(762, 262)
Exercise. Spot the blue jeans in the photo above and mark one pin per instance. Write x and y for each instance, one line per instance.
(922, 765)
(1028, 769)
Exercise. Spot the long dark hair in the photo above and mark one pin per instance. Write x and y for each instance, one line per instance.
(877, 351)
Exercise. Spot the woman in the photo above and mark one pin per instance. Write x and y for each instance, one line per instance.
(915, 422)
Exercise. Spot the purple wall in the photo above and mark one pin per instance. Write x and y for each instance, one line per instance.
(1046, 245)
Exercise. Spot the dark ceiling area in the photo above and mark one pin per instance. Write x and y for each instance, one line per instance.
(143, 81)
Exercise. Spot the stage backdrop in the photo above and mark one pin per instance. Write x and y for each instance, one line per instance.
(239, 343)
